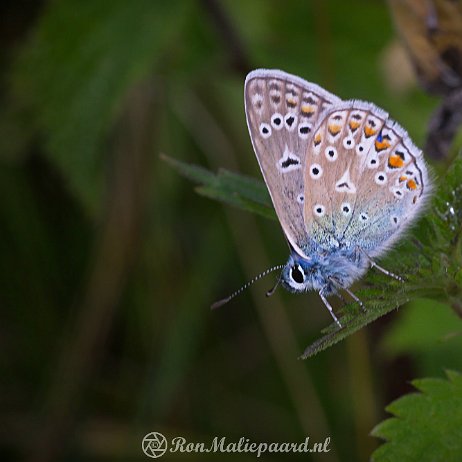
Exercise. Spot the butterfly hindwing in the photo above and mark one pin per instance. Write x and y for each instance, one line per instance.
(370, 182)
(282, 113)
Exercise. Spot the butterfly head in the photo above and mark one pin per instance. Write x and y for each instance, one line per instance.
(319, 270)
(300, 274)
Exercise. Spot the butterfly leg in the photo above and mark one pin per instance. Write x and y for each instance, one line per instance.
(380, 268)
(329, 307)
(337, 283)
(273, 289)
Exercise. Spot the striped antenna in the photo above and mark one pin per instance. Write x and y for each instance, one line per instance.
(248, 284)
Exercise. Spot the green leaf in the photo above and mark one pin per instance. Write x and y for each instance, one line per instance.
(426, 425)
(428, 330)
(75, 71)
(422, 327)
(429, 261)
(238, 190)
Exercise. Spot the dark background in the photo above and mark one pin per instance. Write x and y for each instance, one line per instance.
(110, 260)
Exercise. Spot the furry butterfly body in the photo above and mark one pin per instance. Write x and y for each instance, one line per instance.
(345, 179)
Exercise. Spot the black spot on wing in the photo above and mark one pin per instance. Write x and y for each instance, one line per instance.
(288, 162)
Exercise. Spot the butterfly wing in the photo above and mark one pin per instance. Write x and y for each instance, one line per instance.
(364, 179)
(282, 112)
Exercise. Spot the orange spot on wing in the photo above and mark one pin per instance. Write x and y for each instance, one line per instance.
(317, 139)
(334, 129)
(381, 145)
(369, 131)
(354, 125)
(402, 178)
(411, 184)
(308, 109)
(395, 162)
(291, 102)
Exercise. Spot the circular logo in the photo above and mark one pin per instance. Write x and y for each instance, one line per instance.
(154, 444)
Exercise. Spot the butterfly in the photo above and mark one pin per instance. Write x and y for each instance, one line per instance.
(345, 180)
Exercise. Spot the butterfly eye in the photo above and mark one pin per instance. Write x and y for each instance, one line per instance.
(297, 275)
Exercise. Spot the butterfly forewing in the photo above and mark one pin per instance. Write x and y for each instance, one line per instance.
(372, 179)
(282, 113)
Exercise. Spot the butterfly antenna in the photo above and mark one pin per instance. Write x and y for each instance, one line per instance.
(248, 284)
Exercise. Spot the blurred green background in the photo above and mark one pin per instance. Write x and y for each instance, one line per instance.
(110, 261)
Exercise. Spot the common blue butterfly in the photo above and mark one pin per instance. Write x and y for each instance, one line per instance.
(345, 180)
